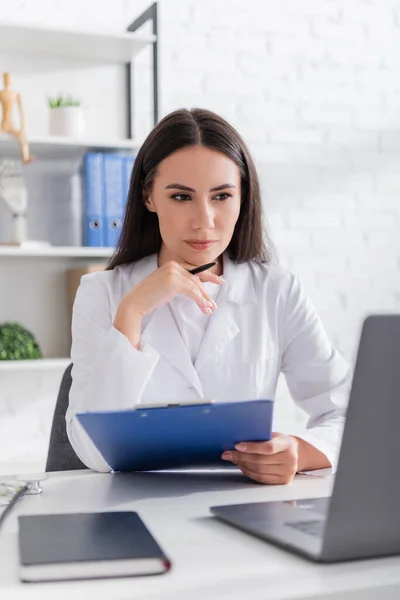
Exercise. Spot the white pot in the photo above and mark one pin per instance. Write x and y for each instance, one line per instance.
(67, 120)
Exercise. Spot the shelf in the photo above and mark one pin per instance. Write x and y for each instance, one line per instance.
(59, 147)
(42, 364)
(56, 251)
(65, 45)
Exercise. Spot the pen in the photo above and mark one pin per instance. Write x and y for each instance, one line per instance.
(202, 268)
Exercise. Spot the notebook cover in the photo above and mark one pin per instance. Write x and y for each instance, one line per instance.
(85, 537)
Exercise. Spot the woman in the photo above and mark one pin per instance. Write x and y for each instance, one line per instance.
(146, 330)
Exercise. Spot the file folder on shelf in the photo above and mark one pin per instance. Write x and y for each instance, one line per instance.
(107, 180)
(94, 201)
(117, 174)
(114, 197)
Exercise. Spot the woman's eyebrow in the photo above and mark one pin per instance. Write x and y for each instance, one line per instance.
(179, 186)
(185, 188)
(224, 186)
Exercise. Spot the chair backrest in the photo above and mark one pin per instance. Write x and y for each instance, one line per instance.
(61, 455)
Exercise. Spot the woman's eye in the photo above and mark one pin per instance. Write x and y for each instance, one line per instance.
(180, 197)
(186, 197)
(222, 196)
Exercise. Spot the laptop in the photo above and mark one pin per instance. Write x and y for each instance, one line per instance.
(361, 519)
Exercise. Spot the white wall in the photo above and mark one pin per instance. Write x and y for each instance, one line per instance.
(313, 86)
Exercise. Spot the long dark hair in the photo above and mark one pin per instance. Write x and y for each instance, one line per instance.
(182, 128)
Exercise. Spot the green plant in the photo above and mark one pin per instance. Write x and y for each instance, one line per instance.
(61, 101)
(17, 343)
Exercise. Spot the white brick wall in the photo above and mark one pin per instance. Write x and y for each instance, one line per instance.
(314, 88)
(323, 122)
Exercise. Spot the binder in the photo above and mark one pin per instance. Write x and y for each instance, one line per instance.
(93, 204)
(171, 436)
(114, 197)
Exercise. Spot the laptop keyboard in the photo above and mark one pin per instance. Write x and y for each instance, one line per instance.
(315, 528)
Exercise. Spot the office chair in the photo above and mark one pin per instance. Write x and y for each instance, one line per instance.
(61, 456)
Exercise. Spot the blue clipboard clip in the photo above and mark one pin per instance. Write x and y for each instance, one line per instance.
(148, 406)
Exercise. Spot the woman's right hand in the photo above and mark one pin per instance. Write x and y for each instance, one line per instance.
(166, 282)
(159, 288)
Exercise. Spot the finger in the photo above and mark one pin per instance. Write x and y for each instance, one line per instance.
(281, 478)
(270, 479)
(182, 282)
(276, 444)
(183, 269)
(194, 292)
(256, 459)
(261, 469)
(203, 276)
(196, 279)
(211, 277)
(190, 285)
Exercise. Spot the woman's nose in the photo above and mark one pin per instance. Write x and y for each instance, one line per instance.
(204, 217)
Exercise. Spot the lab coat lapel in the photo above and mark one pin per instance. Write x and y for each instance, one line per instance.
(163, 335)
(237, 290)
(161, 331)
(222, 328)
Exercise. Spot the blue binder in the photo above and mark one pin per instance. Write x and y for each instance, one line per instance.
(93, 204)
(143, 439)
(114, 197)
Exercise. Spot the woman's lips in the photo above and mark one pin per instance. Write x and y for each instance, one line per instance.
(201, 245)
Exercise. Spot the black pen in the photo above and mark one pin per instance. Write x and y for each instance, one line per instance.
(202, 268)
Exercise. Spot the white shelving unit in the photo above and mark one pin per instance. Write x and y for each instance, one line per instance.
(33, 282)
(44, 364)
(82, 47)
(57, 147)
(55, 252)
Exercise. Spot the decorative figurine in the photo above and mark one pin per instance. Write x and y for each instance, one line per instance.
(8, 99)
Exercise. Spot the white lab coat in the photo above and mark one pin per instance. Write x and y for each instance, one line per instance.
(264, 325)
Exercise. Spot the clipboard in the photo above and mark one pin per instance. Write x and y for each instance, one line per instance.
(176, 436)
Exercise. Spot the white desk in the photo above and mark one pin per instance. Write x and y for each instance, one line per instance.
(211, 560)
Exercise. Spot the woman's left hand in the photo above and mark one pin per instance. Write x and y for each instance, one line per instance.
(272, 462)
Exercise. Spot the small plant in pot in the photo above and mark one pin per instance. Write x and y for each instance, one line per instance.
(18, 343)
(66, 116)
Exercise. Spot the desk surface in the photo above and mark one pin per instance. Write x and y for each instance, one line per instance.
(211, 560)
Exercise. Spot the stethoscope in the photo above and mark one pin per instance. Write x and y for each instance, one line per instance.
(12, 491)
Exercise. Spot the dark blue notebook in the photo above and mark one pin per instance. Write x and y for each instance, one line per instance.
(87, 545)
(176, 436)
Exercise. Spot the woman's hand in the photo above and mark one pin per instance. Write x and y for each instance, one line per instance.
(159, 288)
(273, 462)
(277, 461)
(166, 282)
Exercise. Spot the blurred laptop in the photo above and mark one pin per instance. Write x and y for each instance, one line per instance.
(362, 517)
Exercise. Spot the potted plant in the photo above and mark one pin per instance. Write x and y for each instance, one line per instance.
(66, 116)
(17, 343)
